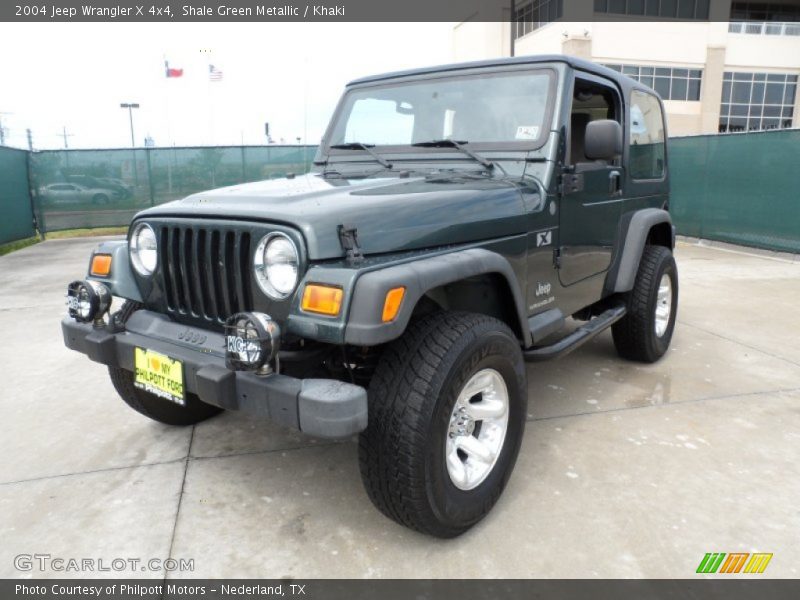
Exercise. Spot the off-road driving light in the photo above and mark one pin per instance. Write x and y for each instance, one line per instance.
(101, 265)
(144, 249)
(276, 264)
(391, 305)
(252, 340)
(88, 301)
(322, 299)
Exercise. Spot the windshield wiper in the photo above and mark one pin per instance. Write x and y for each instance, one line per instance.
(459, 145)
(366, 148)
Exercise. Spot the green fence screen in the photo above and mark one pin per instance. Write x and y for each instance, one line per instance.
(100, 188)
(740, 188)
(15, 200)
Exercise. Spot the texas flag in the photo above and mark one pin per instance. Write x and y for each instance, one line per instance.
(172, 72)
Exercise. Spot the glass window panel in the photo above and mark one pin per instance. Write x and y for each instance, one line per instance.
(791, 78)
(777, 78)
(739, 110)
(617, 68)
(753, 124)
(788, 95)
(727, 76)
(635, 7)
(680, 72)
(758, 93)
(725, 110)
(774, 93)
(770, 123)
(662, 86)
(648, 81)
(652, 8)
(737, 124)
(646, 70)
(743, 77)
(663, 72)
(755, 111)
(787, 111)
(694, 90)
(760, 77)
(701, 10)
(678, 89)
(726, 91)
(669, 8)
(686, 9)
(741, 92)
(772, 111)
(632, 71)
(616, 7)
(646, 154)
(695, 73)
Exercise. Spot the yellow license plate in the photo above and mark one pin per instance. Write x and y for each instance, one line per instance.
(159, 375)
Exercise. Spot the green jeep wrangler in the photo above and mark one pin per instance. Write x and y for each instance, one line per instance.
(458, 222)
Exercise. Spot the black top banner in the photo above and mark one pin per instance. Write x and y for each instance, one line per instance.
(367, 10)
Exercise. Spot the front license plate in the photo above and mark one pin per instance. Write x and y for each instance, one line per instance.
(159, 375)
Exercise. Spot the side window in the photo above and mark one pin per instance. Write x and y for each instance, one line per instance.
(647, 151)
(590, 102)
(370, 117)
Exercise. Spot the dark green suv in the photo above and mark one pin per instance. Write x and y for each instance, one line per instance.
(459, 221)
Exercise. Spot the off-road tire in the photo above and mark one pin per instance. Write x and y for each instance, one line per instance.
(634, 335)
(411, 398)
(151, 406)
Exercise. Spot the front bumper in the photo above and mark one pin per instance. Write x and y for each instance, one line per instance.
(318, 407)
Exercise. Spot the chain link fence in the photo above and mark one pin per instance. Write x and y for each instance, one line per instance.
(75, 189)
(15, 199)
(738, 188)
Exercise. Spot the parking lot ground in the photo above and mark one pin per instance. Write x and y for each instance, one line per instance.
(626, 470)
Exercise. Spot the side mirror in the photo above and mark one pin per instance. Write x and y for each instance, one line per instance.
(603, 140)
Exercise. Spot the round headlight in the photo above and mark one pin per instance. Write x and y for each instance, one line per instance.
(277, 265)
(252, 341)
(144, 249)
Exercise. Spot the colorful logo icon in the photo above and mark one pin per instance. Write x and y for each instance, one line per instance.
(736, 562)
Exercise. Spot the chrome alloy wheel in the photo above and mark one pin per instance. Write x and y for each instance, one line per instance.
(477, 429)
(663, 304)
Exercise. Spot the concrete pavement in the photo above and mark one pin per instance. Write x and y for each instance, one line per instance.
(625, 470)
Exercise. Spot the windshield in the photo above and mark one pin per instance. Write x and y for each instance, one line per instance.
(495, 108)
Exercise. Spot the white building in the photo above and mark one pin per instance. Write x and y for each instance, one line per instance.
(732, 66)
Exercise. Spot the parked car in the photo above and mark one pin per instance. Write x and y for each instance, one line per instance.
(457, 220)
(69, 193)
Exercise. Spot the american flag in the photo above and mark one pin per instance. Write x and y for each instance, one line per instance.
(214, 74)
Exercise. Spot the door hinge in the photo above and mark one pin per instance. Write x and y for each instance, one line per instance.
(557, 258)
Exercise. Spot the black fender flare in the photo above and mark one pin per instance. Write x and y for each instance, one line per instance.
(364, 324)
(634, 229)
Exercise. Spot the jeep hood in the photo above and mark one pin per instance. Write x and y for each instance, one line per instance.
(391, 214)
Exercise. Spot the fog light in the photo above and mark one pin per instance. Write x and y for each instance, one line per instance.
(88, 301)
(252, 341)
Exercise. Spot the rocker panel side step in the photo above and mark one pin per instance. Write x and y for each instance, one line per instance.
(577, 338)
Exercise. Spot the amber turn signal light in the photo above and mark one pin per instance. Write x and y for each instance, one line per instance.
(391, 306)
(322, 299)
(101, 265)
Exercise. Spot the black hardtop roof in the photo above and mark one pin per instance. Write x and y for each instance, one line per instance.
(578, 63)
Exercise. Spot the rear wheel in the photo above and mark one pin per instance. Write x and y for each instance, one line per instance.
(645, 332)
(447, 413)
(151, 406)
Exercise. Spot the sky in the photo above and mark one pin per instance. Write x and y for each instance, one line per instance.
(75, 75)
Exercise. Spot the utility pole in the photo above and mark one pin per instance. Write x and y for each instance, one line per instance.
(130, 106)
(65, 135)
(30, 138)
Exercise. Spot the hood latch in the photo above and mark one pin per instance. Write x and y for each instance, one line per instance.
(348, 238)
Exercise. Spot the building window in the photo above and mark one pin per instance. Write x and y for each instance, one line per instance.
(757, 101)
(671, 83)
(764, 11)
(670, 9)
(533, 14)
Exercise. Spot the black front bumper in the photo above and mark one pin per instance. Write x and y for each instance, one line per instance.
(319, 407)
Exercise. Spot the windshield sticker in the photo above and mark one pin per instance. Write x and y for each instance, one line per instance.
(527, 132)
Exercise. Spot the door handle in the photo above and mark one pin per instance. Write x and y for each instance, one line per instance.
(614, 183)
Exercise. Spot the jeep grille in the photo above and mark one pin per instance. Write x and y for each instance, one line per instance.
(206, 271)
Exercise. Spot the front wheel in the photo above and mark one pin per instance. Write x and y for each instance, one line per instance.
(158, 409)
(645, 332)
(446, 417)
